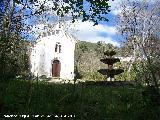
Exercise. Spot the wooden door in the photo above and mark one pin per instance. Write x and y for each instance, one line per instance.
(56, 67)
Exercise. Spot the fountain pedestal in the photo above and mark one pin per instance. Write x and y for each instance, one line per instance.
(108, 59)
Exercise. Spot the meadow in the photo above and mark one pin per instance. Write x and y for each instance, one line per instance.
(75, 101)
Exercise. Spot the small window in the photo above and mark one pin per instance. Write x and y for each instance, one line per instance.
(58, 47)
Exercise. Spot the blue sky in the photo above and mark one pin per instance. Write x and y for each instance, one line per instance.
(85, 31)
(104, 31)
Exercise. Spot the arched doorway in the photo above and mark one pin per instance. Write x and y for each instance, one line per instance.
(56, 68)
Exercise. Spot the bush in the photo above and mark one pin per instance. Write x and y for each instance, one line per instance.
(151, 95)
(143, 73)
(92, 75)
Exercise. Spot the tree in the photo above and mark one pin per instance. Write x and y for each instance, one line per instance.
(48, 12)
(94, 10)
(13, 48)
(139, 22)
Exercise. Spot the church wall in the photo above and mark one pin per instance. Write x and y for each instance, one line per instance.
(67, 58)
(43, 55)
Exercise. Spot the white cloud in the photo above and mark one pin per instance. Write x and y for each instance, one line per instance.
(87, 32)
(88, 27)
(116, 11)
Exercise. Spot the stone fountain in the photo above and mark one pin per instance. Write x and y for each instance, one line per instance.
(110, 60)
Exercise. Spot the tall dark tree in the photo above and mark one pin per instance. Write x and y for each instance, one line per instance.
(12, 48)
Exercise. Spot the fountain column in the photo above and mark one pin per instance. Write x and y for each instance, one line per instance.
(110, 60)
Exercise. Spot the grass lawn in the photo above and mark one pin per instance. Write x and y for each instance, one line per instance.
(79, 102)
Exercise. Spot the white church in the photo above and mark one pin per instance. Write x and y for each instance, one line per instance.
(53, 54)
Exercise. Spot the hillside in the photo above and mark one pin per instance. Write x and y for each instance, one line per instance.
(87, 58)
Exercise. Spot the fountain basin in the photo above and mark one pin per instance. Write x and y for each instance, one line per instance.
(109, 53)
(110, 73)
(110, 61)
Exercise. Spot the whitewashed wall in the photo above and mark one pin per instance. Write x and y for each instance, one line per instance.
(43, 53)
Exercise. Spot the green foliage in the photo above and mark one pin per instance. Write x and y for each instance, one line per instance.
(13, 49)
(94, 11)
(122, 76)
(85, 102)
(87, 58)
(142, 72)
(77, 9)
(13, 57)
(92, 75)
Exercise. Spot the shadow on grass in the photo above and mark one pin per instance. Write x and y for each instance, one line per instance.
(83, 101)
(111, 83)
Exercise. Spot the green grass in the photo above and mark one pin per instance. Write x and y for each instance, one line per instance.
(86, 102)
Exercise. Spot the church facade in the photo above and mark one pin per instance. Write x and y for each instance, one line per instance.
(53, 54)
